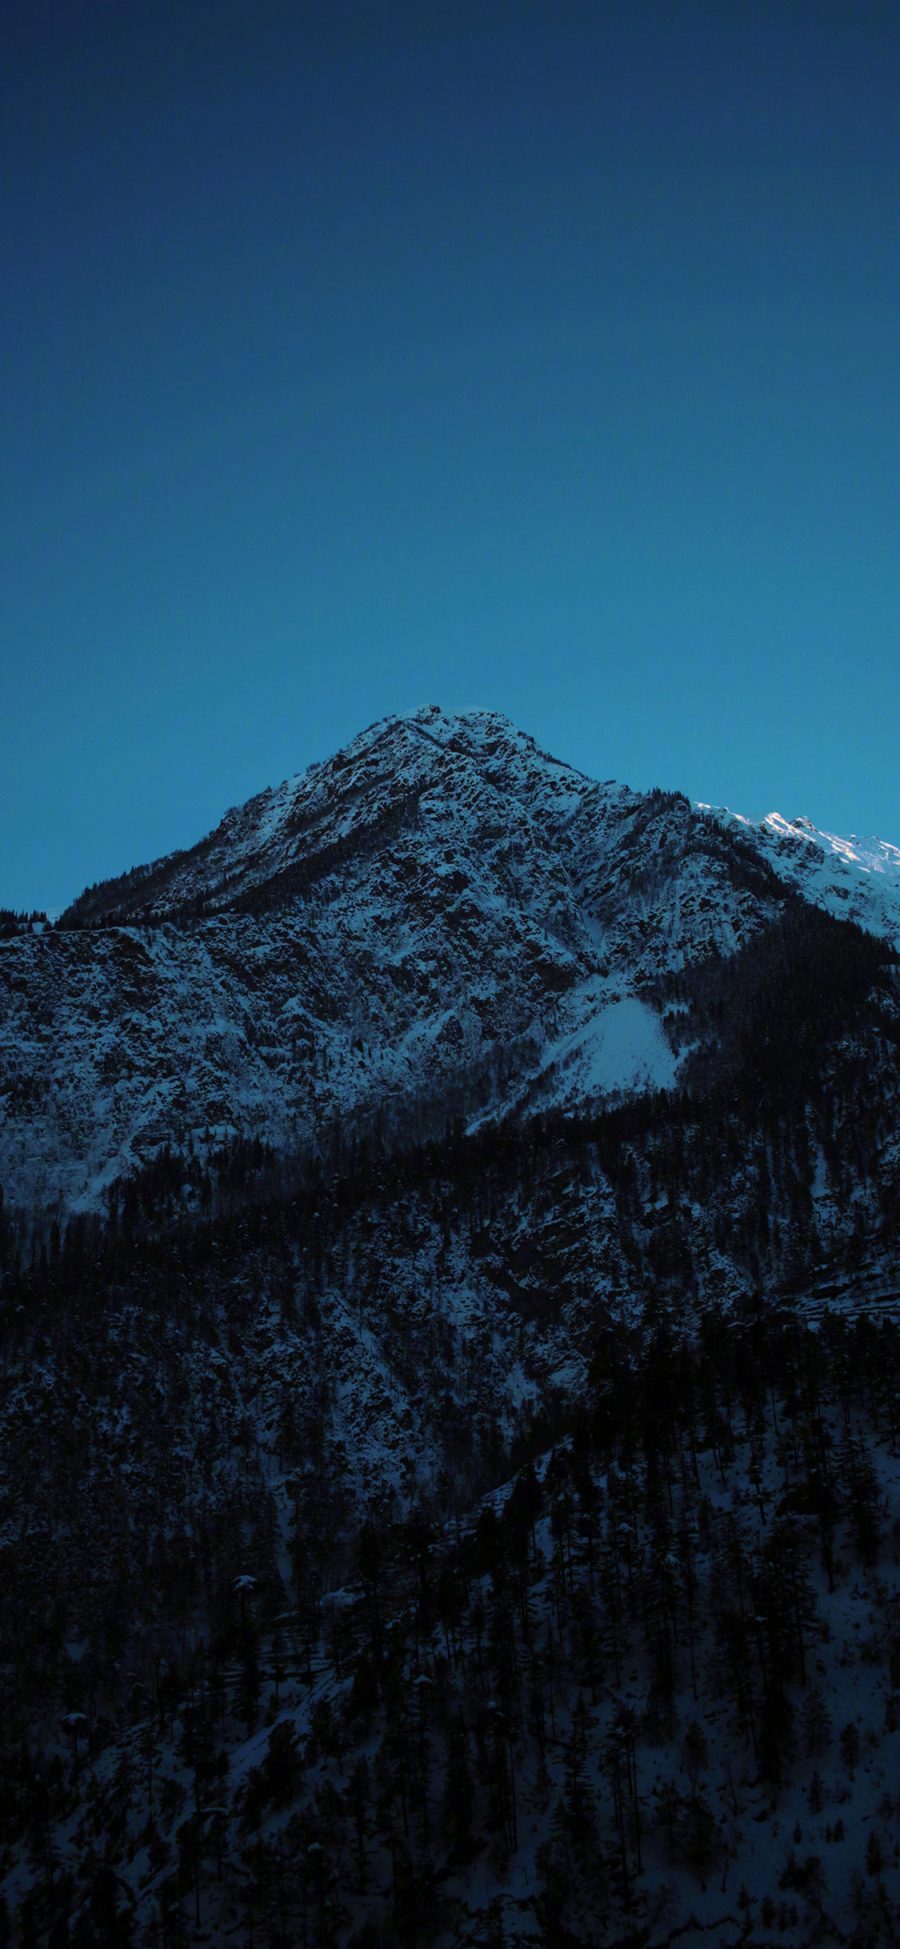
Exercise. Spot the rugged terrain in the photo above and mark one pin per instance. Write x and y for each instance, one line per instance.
(448, 1335)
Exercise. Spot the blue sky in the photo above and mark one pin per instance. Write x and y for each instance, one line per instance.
(543, 357)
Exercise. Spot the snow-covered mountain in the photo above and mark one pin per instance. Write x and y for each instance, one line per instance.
(441, 921)
(440, 1532)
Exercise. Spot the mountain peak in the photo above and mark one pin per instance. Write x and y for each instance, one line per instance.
(291, 831)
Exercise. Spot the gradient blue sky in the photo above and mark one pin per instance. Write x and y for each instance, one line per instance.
(538, 356)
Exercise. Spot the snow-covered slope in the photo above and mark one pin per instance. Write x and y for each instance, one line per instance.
(856, 879)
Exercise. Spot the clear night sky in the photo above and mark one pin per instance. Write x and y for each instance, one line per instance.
(538, 356)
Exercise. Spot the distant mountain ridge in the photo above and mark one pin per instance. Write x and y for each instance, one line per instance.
(441, 921)
(855, 878)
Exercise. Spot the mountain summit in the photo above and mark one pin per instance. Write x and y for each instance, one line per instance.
(287, 838)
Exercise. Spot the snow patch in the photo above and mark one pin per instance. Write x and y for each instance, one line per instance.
(619, 1049)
